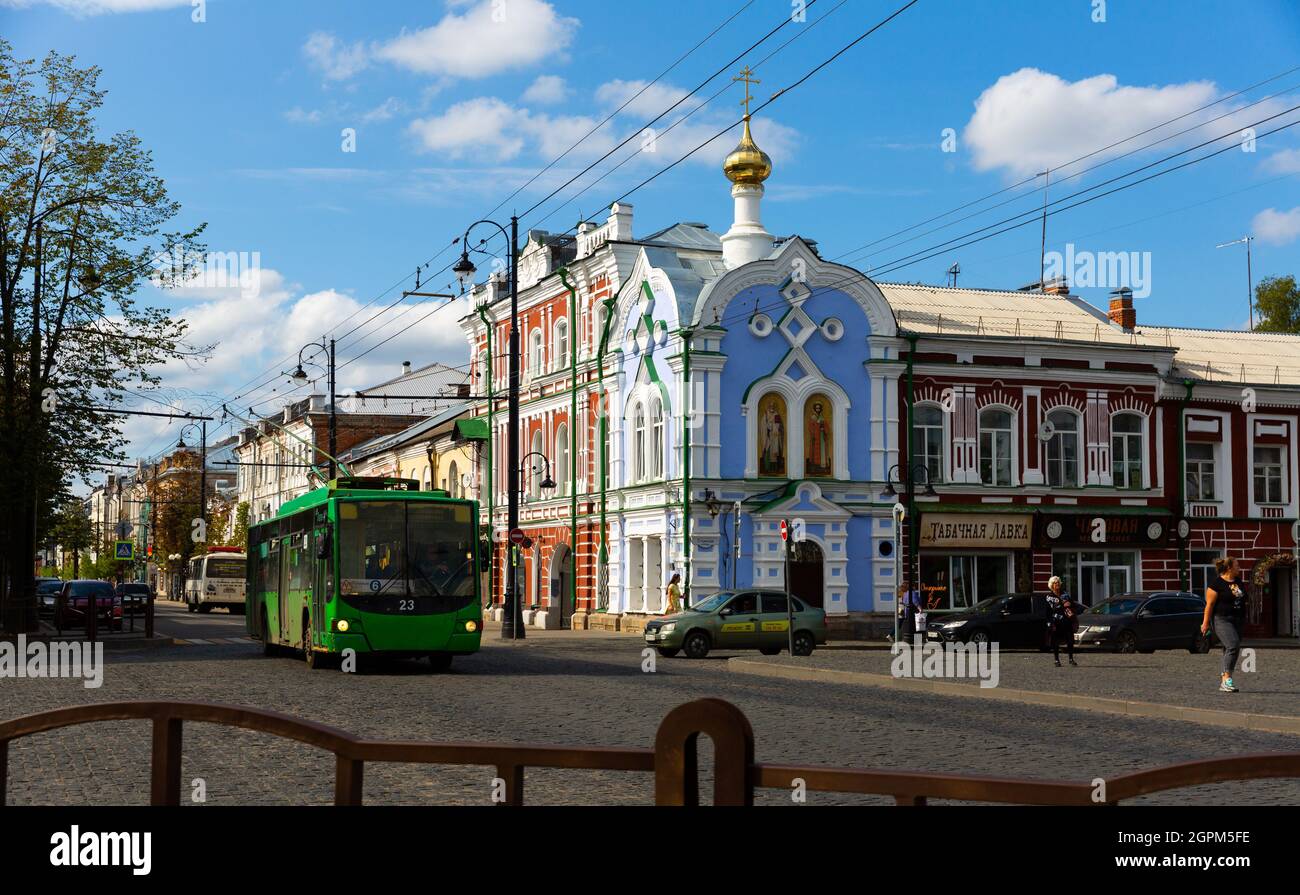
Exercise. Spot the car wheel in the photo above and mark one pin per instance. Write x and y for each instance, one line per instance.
(205, 608)
(770, 650)
(979, 635)
(696, 645)
(189, 606)
(1128, 642)
(804, 643)
(440, 662)
(669, 651)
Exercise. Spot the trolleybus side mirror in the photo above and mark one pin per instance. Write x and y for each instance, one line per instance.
(325, 543)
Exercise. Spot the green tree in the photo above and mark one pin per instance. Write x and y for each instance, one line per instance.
(1277, 305)
(71, 530)
(82, 221)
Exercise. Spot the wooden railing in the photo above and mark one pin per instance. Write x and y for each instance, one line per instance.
(673, 760)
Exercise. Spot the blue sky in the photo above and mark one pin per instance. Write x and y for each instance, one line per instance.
(453, 111)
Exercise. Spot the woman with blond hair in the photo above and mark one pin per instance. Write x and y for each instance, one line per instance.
(1226, 598)
(1062, 619)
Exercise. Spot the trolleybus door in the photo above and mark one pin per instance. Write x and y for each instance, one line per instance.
(286, 575)
(321, 581)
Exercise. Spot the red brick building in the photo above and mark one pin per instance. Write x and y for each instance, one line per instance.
(1061, 439)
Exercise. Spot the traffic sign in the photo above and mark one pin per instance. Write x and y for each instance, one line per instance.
(124, 550)
(785, 530)
(800, 530)
(517, 536)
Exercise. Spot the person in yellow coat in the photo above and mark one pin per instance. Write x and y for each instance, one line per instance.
(674, 594)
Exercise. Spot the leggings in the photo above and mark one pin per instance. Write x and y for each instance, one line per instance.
(1060, 634)
(1229, 634)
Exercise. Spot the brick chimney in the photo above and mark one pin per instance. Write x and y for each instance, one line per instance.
(1121, 309)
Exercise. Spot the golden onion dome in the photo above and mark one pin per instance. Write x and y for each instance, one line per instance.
(747, 163)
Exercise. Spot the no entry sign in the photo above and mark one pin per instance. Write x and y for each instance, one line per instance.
(516, 536)
(785, 530)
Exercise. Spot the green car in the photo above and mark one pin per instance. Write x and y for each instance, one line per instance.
(741, 619)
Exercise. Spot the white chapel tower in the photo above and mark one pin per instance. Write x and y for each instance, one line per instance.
(746, 167)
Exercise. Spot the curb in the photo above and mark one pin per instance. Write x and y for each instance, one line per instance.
(1131, 708)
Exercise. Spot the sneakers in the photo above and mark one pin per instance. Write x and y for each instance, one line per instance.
(1058, 663)
(1227, 686)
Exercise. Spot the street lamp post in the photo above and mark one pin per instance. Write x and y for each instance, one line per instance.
(203, 468)
(299, 376)
(916, 475)
(464, 269)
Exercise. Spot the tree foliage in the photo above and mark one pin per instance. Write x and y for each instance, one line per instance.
(1277, 304)
(83, 221)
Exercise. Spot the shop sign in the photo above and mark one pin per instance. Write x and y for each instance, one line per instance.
(1087, 529)
(975, 530)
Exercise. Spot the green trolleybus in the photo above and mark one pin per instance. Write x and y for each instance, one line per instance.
(371, 565)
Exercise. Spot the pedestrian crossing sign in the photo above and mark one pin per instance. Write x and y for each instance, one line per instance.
(124, 550)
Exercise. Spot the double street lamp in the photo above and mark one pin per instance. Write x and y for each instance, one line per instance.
(464, 270)
(300, 377)
(917, 474)
(203, 465)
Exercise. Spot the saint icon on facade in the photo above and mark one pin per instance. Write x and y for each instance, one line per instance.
(817, 438)
(771, 436)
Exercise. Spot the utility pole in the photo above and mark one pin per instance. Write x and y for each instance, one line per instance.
(1250, 282)
(1042, 251)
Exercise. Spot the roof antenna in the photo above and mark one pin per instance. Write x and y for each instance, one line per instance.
(952, 272)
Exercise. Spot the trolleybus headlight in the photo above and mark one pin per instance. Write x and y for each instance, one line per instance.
(471, 626)
(341, 624)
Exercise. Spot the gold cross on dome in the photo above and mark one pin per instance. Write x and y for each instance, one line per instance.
(746, 76)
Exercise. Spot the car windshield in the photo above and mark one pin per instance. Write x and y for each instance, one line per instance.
(1116, 606)
(986, 605)
(49, 587)
(86, 588)
(713, 603)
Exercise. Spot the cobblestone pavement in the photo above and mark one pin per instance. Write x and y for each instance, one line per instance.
(1172, 677)
(573, 689)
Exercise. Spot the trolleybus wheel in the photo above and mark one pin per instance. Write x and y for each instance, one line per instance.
(268, 648)
(312, 658)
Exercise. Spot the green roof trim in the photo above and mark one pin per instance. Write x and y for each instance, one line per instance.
(474, 428)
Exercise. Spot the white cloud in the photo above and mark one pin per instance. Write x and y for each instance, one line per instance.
(486, 39)
(385, 110)
(299, 115)
(491, 125)
(546, 90)
(1032, 120)
(335, 60)
(1277, 227)
(1285, 162)
(97, 7)
(648, 104)
(476, 124)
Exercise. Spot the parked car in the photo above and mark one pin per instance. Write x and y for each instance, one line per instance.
(1012, 621)
(76, 596)
(745, 619)
(47, 594)
(134, 596)
(1144, 622)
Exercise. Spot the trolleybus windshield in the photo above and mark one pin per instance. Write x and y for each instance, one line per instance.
(406, 548)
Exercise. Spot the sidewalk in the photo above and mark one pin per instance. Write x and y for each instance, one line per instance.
(1171, 685)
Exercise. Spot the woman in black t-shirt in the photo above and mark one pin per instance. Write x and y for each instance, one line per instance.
(1225, 606)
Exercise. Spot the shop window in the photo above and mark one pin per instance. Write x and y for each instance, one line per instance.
(1202, 570)
(1063, 450)
(1093, 576)
(1269, 475)
(772, 436)
(1126, 450)
(1200, 471)
(928, 440)
(995, 447)
(959, 581)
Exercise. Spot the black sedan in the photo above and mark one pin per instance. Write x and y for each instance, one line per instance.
(1144, 622)
(1012, 621)
(133, 596)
